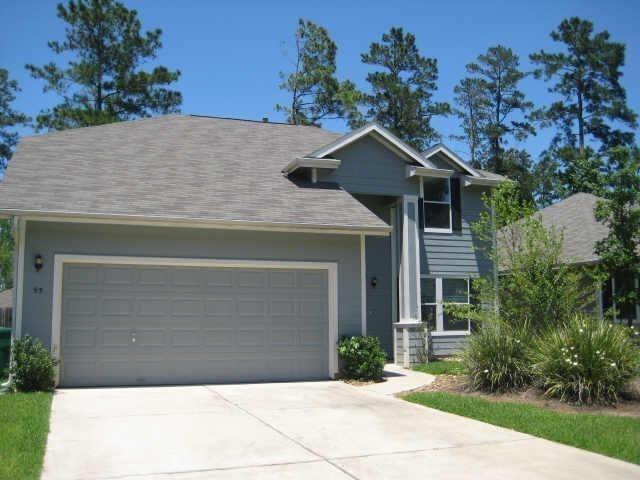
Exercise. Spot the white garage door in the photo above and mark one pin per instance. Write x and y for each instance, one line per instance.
(145, 325)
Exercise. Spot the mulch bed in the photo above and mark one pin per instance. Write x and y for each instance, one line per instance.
(628, 406)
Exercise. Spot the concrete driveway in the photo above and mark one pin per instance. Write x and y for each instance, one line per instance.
(323, 430)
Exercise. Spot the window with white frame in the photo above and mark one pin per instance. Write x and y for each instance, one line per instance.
(437, 204)
(435, 293)
(611, 289)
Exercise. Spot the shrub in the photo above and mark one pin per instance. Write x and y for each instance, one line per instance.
(32, 366)
(585, 360)
(496, 357)
(363, 357)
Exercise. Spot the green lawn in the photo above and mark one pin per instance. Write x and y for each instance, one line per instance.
(617, 437)
(441, 367)
(24, 424)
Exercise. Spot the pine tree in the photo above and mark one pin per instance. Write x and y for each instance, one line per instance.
(104, 81)
(316, 93)
(402, 89)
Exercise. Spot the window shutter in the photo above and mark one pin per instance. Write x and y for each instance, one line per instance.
(456, 205)
(421, 213)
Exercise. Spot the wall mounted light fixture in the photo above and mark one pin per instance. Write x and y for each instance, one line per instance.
(38, 263)
(374, 282)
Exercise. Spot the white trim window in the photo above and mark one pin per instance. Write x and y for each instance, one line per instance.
(438, 291)
(437, 205)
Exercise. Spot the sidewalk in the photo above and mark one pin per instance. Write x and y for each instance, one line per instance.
(399, 379)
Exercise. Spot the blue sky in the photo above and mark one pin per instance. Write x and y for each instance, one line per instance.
(230, 52)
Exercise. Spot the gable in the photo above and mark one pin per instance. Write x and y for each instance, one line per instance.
(446, 158)
(370, 167)
(440, 160)
(381, 134)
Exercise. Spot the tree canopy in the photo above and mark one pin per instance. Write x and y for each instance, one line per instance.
(9, 118)
(316, 93)
(104, 80)
(402, 89)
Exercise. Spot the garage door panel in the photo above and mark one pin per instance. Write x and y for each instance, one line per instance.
(219, 337)
(81, 305)
(191, 337)
(186, 277)
(251, 307)
(150, 337)
(116, 337)
(282, 279)
(152, 277)
(284, 337)
(137, 325)
(152, 307)
(116, 306)
(81, 276)
(187, 307)
(118, 276)
(79, 337)
(222, 277)
(315, 280)
(251, 279)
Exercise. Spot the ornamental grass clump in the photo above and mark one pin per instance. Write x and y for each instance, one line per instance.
(585, 360)
(496, 357)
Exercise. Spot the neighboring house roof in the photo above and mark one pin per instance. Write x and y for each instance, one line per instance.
(179, 168)
(573, 217)
(6, 298)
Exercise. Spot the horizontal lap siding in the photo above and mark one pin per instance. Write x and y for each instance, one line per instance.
(445, 346)
(457, 253)
(370, 168)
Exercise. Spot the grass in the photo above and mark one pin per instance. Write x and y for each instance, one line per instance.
(24, 420)
(441, 367)
(614, 436)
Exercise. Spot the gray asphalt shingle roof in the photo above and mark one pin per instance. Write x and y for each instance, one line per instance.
(574, 218)
(179, 167)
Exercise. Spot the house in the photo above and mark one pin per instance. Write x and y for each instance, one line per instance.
(183, 249)
(574, 219)
(6, 305)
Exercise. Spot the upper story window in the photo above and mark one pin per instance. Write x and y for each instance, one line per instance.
(437, 204)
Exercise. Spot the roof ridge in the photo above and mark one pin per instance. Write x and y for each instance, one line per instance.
(219, 117)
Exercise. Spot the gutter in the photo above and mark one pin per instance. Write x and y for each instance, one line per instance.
(308, 162)
(146, 220)
(413, 171)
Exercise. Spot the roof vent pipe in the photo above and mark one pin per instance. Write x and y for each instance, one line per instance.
(265, 119)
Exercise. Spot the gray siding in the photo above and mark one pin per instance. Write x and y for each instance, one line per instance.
(368, 167)
(378, 265)
(48, 239)
(447, 346)
(457, 253)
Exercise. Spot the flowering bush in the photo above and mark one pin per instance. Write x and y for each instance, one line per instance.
(496, 357)
(363, 357)
(586, 360)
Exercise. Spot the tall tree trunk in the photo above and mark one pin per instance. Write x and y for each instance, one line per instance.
(580, 123)
(497, 161)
